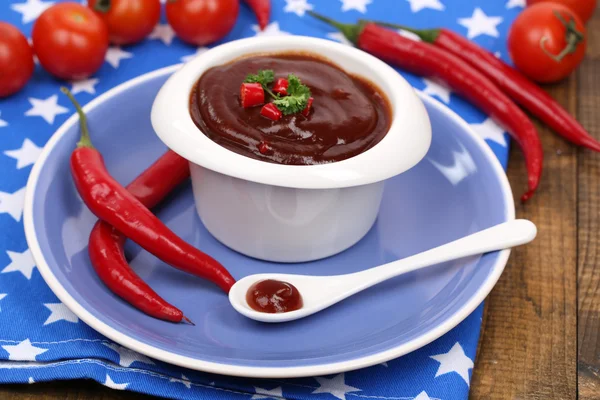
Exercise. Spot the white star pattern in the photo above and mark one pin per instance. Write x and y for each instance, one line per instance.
(418, 5)
(59, 312)
(190, 57)
(515, 3)
(385, 364)
(298, 7)
(3, 122)
(454, 361)
(358, 5)
(184, 380)
(84, 85)
(490, 130)
(271, 30)
(12, 203)
(339, 37)
(108, 382)
(128, 357)
(26, 155)
(261, 393)
(335, 386)
(480, 24)
(30, 380)
(163, 32)
(47, 109)
(435, 89)
(422, 396)
(2, 295)
(31, 9)
(23, 351)
(114, 55)
(22, 262)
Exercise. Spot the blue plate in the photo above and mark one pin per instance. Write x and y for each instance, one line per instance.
(459, 188)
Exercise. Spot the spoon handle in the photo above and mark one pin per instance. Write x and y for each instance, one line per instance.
(499, 237)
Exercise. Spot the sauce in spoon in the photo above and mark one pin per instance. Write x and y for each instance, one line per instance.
(273, 297)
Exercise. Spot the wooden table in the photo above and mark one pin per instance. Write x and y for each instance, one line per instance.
(541, 331)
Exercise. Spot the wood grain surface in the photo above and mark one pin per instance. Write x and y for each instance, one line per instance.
(588, 224)
(540, 337)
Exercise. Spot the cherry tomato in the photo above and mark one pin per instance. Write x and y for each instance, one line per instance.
(70, 40)
(16, 60)
(201, 22)
(583, 8)
(128, 21)
(547, 42)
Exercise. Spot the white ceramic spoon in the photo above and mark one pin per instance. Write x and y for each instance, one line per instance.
(320, 292)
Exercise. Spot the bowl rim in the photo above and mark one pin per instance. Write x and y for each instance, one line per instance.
(238, 370)
(398, 151)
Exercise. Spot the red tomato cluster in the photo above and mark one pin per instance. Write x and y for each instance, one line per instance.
(547, 41)
(71, 40)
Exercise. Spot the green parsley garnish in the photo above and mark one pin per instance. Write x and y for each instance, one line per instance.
(297, 93)
(264, 77)
(296, 99)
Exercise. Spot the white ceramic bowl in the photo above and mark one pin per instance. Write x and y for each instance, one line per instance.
(291, 213)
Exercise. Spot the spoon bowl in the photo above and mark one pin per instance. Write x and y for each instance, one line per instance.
(320, 292)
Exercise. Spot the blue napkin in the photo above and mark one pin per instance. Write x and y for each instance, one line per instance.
(41, 340)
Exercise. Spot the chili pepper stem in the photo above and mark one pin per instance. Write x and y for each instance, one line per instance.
(187, 320)
(85, 139)
(573, 38)
(426, 35)
(269, 92)
(351, 31)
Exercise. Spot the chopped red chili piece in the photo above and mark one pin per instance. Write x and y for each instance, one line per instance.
(271, 111)
(252, 94)
(263, 148)
(306, 111)
(281, 86)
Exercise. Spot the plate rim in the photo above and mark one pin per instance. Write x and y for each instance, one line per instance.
(249, 371)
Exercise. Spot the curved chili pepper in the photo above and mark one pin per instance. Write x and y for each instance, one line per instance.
(112, 203)
(425, 59)
(511, 81)
(262, 10)
(106, 243)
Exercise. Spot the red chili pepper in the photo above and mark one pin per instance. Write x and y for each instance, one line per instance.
(106, 243)
(112, 203)
(252, 94)
(271, 111)
(262, 10)
(280, 86)
(427, 60)
(308, 107)
(511, 81)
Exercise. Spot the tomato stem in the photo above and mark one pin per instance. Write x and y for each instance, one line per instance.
(572, 36)
(85, 139)
(102, 6)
